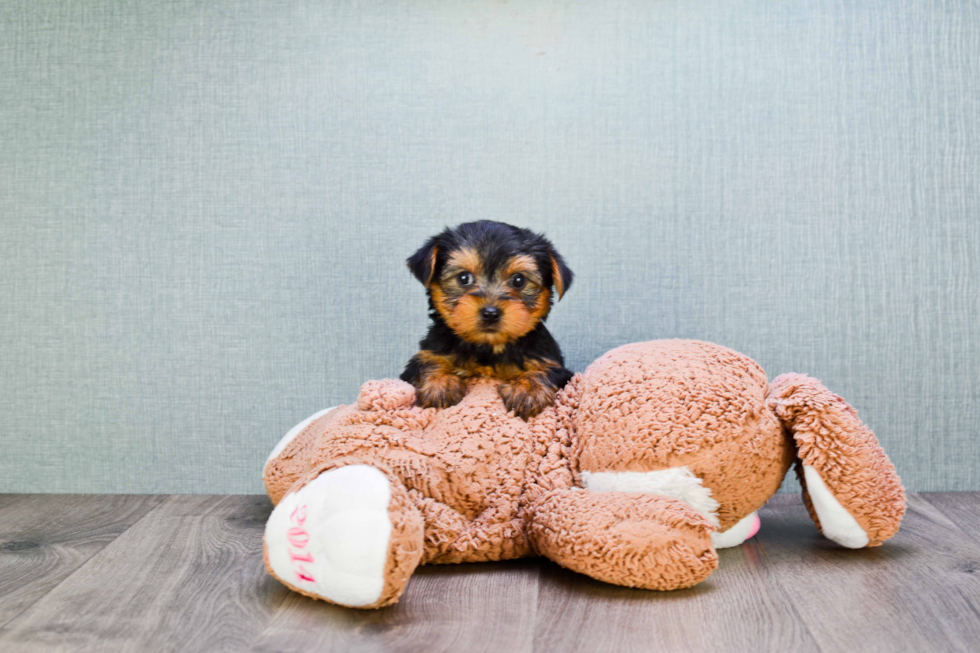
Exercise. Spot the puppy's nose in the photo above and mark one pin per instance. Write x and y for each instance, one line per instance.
(490, 314)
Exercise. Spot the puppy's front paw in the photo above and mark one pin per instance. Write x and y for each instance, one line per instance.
(526, 396)
(440, 390)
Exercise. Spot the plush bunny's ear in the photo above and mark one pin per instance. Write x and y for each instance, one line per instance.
(422, 263)
(850, 487)
(561, 274)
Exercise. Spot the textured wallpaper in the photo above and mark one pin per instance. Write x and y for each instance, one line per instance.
(205, 208)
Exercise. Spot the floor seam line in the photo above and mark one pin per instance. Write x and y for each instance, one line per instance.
(4, 626)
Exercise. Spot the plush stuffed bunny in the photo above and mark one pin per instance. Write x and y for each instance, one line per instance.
(657, 455)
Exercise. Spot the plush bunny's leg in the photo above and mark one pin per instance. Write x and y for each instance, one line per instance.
(625, 538)
(288, 460)
(345, 533)
(849, 485)
(293, 432)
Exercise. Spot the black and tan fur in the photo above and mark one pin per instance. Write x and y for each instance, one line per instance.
(490, 290)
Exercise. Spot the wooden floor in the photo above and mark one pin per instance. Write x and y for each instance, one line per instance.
(184, 573)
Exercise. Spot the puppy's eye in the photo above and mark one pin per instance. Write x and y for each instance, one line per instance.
(465, 279)
(518, 281)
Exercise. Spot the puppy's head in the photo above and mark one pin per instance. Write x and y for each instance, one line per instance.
(490, 282)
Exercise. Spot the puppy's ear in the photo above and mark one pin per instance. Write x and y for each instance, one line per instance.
(422, 263)
(561, 274)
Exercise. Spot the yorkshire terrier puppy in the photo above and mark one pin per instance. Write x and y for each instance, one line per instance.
(490, 289)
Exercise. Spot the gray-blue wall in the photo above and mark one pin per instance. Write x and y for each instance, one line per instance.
(205, 206)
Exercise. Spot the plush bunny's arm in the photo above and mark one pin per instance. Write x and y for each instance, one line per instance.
(625, 538)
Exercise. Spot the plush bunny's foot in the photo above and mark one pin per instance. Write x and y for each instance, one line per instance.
(348, 535)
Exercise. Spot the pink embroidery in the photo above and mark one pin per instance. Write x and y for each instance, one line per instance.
(299, 538)
(301, 573)
(303, 557)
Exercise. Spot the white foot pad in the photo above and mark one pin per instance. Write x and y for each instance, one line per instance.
(836, 523)
(331, 537)
(740, 532)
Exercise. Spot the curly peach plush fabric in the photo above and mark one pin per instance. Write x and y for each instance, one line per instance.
(829, 436)
(645, 456)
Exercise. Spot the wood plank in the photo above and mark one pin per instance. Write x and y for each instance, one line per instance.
(187, 577)
(469, 607)
(903, 596)
(45, 538)
(740, 607)
(962, 508)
